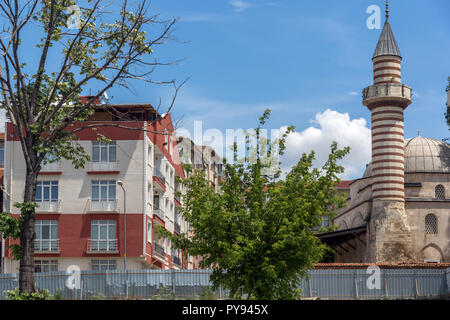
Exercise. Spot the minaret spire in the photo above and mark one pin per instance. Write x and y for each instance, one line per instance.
(387, 10)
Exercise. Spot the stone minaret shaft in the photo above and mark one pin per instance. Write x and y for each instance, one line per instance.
(389, 237)
(386, 99)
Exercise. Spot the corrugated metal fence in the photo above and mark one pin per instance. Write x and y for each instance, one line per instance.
(195, 284)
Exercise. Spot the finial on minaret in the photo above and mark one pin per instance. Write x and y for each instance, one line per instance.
(387, 9)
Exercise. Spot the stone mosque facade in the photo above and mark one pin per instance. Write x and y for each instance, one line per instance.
(399, 210)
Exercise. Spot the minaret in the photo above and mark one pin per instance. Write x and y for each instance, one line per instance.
(387, 98)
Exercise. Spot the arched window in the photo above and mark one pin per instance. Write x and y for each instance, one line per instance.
(431, 224)
(439, 192)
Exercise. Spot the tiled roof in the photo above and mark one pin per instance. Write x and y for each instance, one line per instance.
(382, 265)
(345, 183)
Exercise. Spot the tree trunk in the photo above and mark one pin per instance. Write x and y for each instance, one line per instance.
(26, 270)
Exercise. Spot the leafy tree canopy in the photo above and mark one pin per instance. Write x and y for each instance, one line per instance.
(257, 232)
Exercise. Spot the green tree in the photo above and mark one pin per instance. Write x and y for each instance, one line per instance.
(257, 233)
(92, 46)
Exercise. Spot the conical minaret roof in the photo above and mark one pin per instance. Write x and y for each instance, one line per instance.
(387, 46)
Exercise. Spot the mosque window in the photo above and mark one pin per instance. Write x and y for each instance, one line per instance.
(439, 192)
(431, 224)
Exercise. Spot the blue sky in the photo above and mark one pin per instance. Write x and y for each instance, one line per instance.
(308, 61)
(300, 58)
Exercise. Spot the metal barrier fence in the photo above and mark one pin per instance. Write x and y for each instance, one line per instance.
(195, 284)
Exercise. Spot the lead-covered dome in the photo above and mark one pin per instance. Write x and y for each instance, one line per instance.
(426, 155)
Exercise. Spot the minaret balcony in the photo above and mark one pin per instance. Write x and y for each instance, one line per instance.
(387, 91)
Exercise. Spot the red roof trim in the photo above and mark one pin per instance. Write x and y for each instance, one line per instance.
(50, 173)
(158, 180)
(103, 172)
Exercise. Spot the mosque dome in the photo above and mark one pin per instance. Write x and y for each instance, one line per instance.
(423, 155)
(426, 155)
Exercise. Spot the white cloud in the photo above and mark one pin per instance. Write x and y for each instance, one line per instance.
(240, 5)
(354, 93)
(332, 126)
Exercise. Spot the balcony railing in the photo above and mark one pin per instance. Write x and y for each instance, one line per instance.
(103, 206)
(159, 213)
(49, 206)
(102, 246)
(158, 249)
(176, 260)
(177, 228)
(51, 167)
(391, 90)
(46, 245)
(103, 166)
(160, 176)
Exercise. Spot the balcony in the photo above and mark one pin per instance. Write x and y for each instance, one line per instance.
(393, 91)
(159, 213)
(177, 228)
(46, 246)
(103, 167)
(159, 178)
(51, 167)
(158, 250)
(176, 260)
(49, 207)
(102, 246)
(103, 206)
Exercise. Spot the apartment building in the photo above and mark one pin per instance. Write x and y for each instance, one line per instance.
(203, 158)
(104, 216)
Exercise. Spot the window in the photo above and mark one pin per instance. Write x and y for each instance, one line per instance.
(149, 231)
(99, 265)
(103, 190)
(166, 207)
(2, 154)
(47, 191)
(46, 235)
(150, 155)
(149, 193)
(103, 152)
(219, 168)
(50, 158)
(172, 212)
(45, 265)
(156, 202)
(439, 192)
(431, 224)
(166, 139)
(170, 146)
(103, 235)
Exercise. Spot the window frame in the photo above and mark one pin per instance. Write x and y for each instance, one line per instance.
(51, 239)
(52, 264)
(431, 227)
(40, 191)
(98, 224)
(107, 147)
(109, 185)
(111, 264)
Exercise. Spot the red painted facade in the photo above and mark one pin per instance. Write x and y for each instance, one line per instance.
(74, 230)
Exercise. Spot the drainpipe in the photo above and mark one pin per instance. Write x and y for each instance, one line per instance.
(144, 194)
